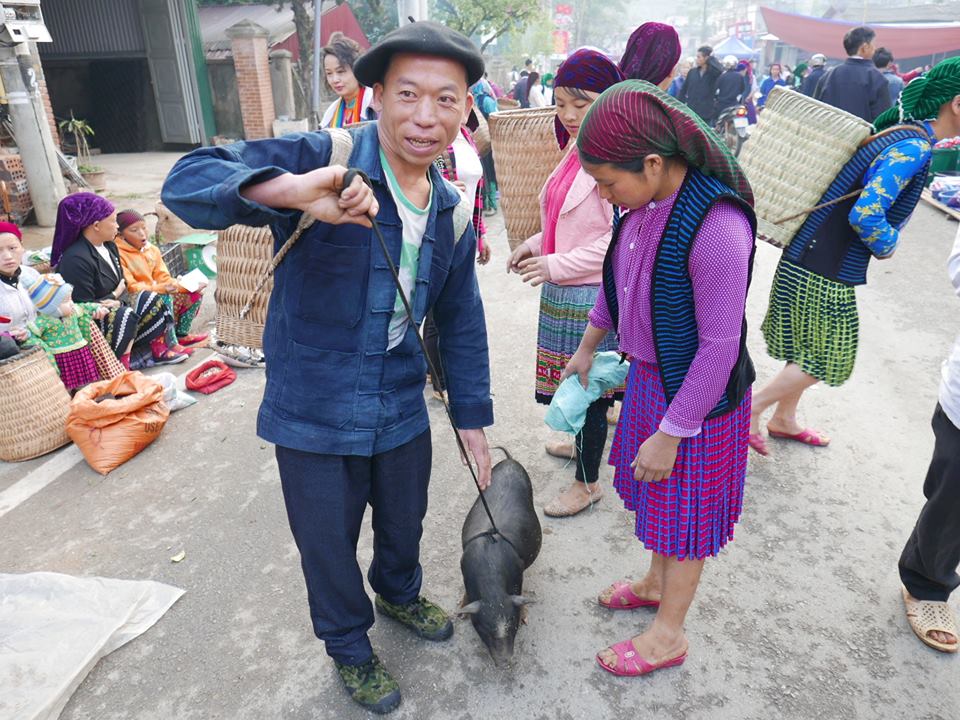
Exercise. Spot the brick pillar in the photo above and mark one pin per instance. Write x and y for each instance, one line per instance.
(251, 60)
(44, 95)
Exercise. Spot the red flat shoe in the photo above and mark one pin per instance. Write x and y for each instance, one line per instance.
(630, 664)
(807, 436)
(193, 339)
(183, 350)
(759, 443)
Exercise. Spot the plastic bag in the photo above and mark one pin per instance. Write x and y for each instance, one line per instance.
(174, 397)
(113, 420)
(568, 409)
(55, 628)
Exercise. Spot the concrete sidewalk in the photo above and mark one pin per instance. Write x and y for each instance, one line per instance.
(800, 617)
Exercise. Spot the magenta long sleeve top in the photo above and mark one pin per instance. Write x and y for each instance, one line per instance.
(719, 267)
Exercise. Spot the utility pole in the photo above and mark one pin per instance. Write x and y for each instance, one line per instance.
(37, 150)
(317, 55)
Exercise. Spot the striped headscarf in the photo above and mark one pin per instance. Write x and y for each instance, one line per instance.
(586, 69)
(652, 52)
(921, 98)
(635, 118)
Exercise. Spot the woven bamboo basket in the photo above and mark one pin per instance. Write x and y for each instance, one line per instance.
(35, 407)
(243, 256)
(795, 152)
(525, 152)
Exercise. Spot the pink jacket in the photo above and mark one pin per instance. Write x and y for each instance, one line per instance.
(583, 233)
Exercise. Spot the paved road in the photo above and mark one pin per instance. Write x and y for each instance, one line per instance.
(800, 617)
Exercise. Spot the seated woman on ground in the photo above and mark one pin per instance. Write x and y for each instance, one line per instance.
(85, 254)
(16, 309)
(145, 271)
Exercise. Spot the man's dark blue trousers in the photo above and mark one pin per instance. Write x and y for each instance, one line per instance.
(326, 496)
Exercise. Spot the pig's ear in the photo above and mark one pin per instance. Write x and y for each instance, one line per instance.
(520, 600)
(471, 609)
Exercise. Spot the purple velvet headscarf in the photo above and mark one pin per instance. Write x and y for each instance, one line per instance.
(652, 52)
(586, 69)
(76, 212)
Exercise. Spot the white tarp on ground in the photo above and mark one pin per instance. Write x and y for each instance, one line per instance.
(54, 628)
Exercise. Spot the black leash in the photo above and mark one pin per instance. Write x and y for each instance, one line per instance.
(347, 181)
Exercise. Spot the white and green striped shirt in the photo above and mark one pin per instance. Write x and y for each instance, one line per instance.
(414, 221)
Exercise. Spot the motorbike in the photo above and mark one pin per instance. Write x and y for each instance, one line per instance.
(734, 127)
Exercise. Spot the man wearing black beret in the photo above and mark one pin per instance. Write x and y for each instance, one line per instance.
(343, 401)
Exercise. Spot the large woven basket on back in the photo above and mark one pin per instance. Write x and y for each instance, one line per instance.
(525, 152)
(795, 152)
(243, 256)
(35, 407)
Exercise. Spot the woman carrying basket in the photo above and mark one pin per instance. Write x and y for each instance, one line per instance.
(566, 258)
(675, 282)
(812, 320)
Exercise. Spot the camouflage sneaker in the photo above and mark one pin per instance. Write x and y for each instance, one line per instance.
(426, 619)
(370, 685)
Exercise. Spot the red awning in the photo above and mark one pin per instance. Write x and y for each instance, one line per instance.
(339, 17)
(826, 36)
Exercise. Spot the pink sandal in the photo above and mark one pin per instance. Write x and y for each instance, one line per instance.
(630, 664)
(807, 436)
(623, 598)
(759, 443)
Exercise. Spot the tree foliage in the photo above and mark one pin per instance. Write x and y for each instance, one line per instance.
(487, 18)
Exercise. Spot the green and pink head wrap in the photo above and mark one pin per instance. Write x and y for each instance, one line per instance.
(634, 119)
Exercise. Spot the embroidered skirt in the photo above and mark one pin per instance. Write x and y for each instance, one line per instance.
(693, 512)
(77, 367)
(143, 319)
(183, 307)
(812, 322)
(563, 320)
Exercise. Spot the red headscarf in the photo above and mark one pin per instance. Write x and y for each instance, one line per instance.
(652, 52)
(585, 69)
(634, 119)
(9, 227)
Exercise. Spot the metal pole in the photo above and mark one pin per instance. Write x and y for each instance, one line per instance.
(34, 139)
(315, 75)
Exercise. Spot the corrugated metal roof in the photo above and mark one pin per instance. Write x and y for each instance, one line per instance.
(93, 28)
(214, 22)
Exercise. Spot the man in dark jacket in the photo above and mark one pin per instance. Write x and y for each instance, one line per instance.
(730, 85)
(700, 88)
(817, 70)
(343, 401)
(856, 86)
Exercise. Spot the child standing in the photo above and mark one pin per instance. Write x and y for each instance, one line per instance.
(674, 289)
(566, 259)
(57, 328)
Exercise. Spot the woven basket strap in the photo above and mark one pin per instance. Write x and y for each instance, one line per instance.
(342, 147)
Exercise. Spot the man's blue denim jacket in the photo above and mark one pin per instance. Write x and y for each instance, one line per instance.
(332, 386)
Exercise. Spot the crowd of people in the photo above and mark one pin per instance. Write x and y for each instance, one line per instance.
(865, 84)
(110, 283)
(646, 248)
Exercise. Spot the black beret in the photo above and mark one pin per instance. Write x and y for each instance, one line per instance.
(420, 38)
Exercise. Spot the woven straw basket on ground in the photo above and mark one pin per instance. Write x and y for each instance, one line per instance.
(243, 256)
(795, 152)
(35, 407)
(525, 152)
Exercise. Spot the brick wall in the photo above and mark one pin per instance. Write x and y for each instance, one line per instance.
(251, 60)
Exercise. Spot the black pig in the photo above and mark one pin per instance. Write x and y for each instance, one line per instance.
(493, 565)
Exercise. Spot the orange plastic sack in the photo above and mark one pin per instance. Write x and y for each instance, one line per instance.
(129, 416)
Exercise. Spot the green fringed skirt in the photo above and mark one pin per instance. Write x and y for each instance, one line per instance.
(812, 322)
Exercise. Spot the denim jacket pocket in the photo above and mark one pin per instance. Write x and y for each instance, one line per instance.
(334, 290)
(319, 385)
